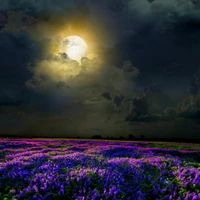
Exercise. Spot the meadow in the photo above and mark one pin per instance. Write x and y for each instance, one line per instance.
(45, 169)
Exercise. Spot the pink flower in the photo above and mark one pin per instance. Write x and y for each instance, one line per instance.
(13, 190)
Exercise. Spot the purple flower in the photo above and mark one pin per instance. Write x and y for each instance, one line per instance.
(195, 197)
(35, 188)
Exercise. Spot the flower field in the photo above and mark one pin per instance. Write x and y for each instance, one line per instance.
(108, 170)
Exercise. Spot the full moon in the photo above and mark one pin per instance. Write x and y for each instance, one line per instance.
(75, 47)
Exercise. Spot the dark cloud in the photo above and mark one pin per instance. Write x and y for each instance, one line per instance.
(189, 108)
(151, 105)
(161, 15)
(139, 106)
(168, 115)
(71, 83)
(148, 118)
(151, 99)
(195, 115)
(107, 95)
(10, 100)
(16, 52)
(137, 43)
(118, 100)
(192, 91)
(36, 5)
(157, 37)
(171, 112)
(61, 85)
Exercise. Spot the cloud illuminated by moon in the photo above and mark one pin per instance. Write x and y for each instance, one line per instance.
(75, 47)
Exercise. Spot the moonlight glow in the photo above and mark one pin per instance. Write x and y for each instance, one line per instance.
(75, 47)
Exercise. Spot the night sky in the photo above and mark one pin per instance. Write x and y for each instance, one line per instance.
(141, 74)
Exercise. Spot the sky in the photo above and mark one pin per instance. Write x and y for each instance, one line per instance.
(141, 75)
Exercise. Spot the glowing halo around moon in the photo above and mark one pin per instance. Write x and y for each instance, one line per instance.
(75, 47)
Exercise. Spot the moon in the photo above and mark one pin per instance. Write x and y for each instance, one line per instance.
(75, 47)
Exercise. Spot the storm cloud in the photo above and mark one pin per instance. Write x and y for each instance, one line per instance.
(141, 75)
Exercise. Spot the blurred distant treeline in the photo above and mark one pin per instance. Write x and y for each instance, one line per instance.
(130, 137)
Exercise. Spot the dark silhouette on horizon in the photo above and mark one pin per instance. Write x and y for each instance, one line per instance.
(120, 138)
